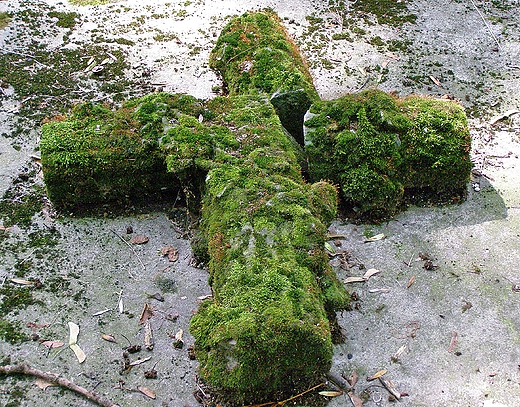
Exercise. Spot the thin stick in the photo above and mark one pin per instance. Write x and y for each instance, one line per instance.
(57, 380)
(487, 25)
(131, 248)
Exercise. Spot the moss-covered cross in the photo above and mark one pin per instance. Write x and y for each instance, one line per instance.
(266, 331)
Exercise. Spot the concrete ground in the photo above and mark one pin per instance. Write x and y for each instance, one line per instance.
(407, 315)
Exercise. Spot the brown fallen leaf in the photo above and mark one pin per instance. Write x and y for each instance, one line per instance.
(398, 354)
(453, 342)
(147, 392)
(377, 375)
(108, 338)
(139, 239)
(171, 252)
(52, 344)
(370, 272)
(354, 280)
(146, 313)
(34, 326)
(466, 306)
(410, 282)
(43, 384)
(330, 393)
(356, 401)
(353, 378)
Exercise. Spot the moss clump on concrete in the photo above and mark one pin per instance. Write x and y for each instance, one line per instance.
(254, 55)
(266, 331)
(383, 151)
(99, 156)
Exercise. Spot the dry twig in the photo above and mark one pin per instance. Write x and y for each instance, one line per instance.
(58, 381)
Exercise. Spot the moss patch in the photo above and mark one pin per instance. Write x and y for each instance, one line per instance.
(382, 150)
(100, 156)
(254, 55)
(266, 331)
(5, 19)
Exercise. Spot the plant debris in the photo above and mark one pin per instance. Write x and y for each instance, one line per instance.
(108, 338)
(375, 238)
(453, 342)
(73, 339)
(377, 375)
(146, 313)
(171, 252)
(139, 239)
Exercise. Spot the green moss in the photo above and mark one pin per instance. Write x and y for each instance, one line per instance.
(20, 209)
(266, 331)
(12, 332)
(5, 19)
(390, 12)
(65, 20)
(383, 151)
(14, 298)
(99, 156)
(253, 54)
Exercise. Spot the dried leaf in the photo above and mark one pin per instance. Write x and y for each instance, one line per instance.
(502, 116)
(146, 313)
(73, 339)
(43, 384)
(171, 252)
(356, 401)
(330, 393)
(74, 332)
(52, 344)
(377, 375)
(329, 248)
(466, 306)
(120, 305)
(353, 378)
(453, 342)
(399, 352)
(370, 272)
(379, 290)
(140, 361)
(34, 326)
(108, 338)
(148, 335)
(78, 352)
(375, 238)
(410, 282)
(147, 392)
(139, 239)
(21, 281)
(354, 280)
(179, 334)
